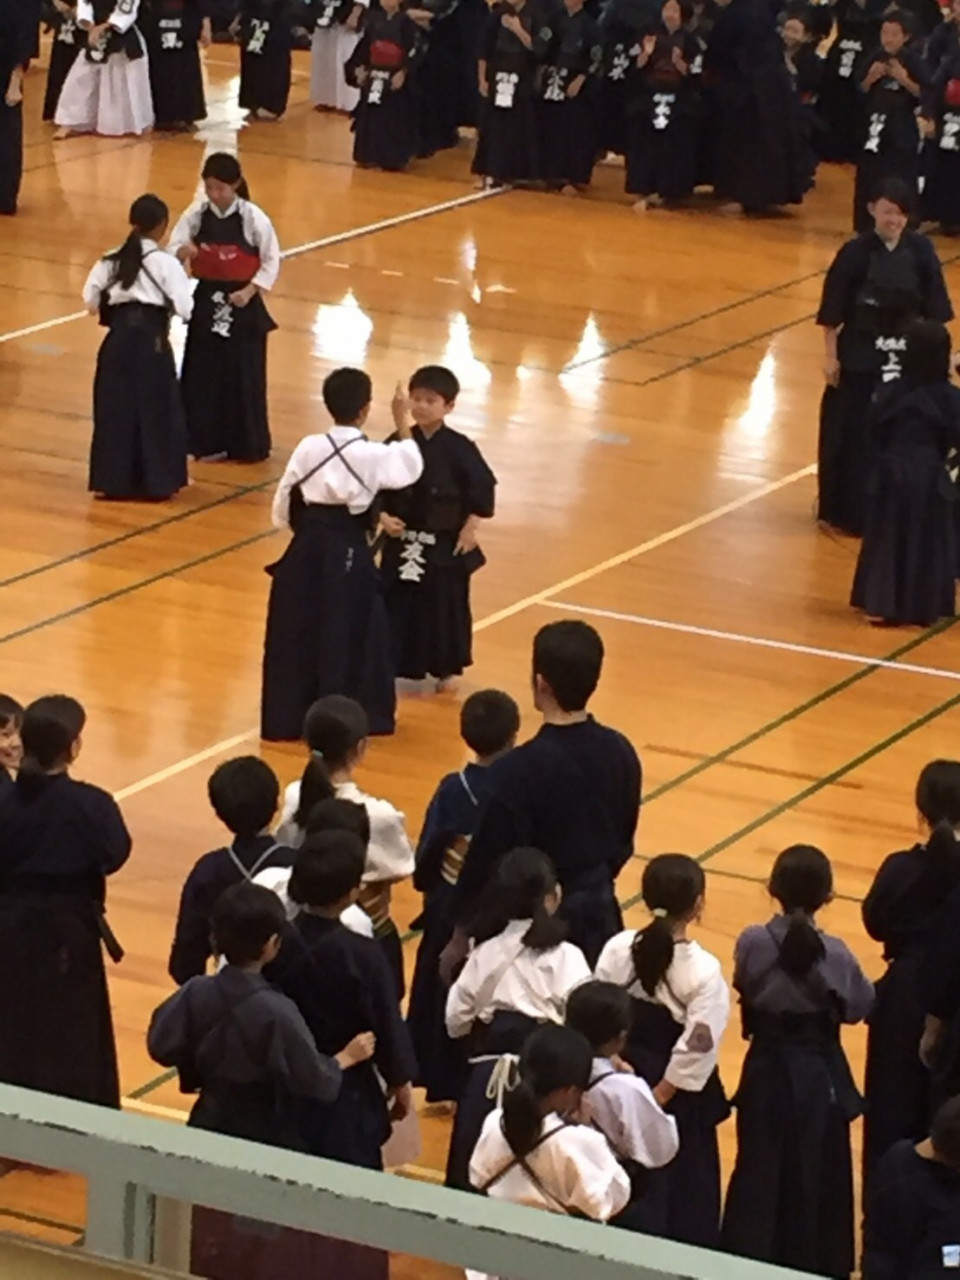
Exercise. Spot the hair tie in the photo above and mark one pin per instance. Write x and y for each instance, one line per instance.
(317, 755)
(659, 913)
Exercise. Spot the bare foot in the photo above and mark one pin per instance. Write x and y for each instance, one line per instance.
(569, 190)
(732, 209)
(62, 133)
(641, 205)
(654, 202)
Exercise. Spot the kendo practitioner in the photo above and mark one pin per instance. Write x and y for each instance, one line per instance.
(432, 551)
(622, 24)
(68, 40)
(790, 1199)
(663, 112)
(806, 67)
(381, 66)
(876, 285)
(907, 568)
(901, 911)
(569, 97)
(572, 791)
(61, 839)
(941, 108)
(760, 158)
(511, 49)
(265, 32)
(107, 90)
(438, 75)
(336, 33)
(327, 626)
(912, 1221)
(841, 102)
(139, 447)
(18, 26)
(892, 78)
(176, 30)
(233, 253)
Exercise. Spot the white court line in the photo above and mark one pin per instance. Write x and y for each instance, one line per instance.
(760, 642)
(539, 597)
(154, 1109)
(385, 224)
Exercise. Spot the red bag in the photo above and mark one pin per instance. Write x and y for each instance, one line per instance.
(228, 262)
(385, 55)
(951, 93)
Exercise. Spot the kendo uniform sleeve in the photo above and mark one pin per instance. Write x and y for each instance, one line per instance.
(937, 305)
(174, 281)
(359, 59)
(191, 939)
(259, 230)
(479, 482)
(187, 227)
(590, 1179)
(124, 15)
(694, 1056)
(844, 275)
(463, 999)
(97, 283)
(293, 1056)
(624, 1109)
(632, 788)
(501, 826)
(167, 1034)
(880, 909)
(113, 847)
(847, 979)
(436, 835)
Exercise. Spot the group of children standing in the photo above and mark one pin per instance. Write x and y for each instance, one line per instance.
(582, 1055)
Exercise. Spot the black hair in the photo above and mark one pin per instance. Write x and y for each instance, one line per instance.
(897, 192)
(11, 712)
(147, 214)
(224, 167)
(568, 655)
(520, 884)
(244, 919)
(333, 729)
(686, 10)
(51, 726)
(902, 19)
(601, 1011)
(346, 393)
(802, 882)
(327, 866)
(945, 1133)
(938, 802)
(489, 722)
(434, 377)
(340, 815)
(552, 1058)
(671, 886)
(244, 794)
(927, 356)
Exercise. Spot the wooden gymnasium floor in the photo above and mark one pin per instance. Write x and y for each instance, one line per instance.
(647, 392)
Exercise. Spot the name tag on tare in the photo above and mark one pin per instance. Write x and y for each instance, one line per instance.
(951, 1257)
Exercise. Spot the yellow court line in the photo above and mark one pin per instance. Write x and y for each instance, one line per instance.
(154, 1109)
(539, 597)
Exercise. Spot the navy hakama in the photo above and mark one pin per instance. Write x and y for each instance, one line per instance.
(841, 102)
(19, 27)
(906, 571)
(508, 137)
(266, 57)
(172, 30)
(912, 1222)
(68, 41)
(139, 447)
(662, 121)
(385, 118)
(890, 138)
(426, 584)
(941, 190)
(687, 1190)
(327, 627)
(439, 80)
(569, 126)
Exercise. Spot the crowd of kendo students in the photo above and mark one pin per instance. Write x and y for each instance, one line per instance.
(746, 96)
(582, 1056)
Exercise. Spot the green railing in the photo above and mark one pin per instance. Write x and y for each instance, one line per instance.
(143, 1175)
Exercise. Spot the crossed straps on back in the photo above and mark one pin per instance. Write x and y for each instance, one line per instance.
(522, 1162)
(337, 451)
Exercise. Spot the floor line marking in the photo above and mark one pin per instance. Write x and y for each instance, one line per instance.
(761, 642)
(181, 766)
(339, 237)
(651, 544)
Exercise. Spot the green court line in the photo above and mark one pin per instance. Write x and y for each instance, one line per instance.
(827, 780)
(164, 1078)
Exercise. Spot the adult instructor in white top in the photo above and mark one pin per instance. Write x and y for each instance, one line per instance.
(327, 629)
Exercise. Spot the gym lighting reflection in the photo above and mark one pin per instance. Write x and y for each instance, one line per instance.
(458, 354)
(584, 371)
(755, 420)
(342, 331)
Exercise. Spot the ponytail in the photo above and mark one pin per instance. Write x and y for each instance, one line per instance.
(673, 884)
(552, 1059)
(315, 787)
(521, 883)
(243, 191)
(802, 882)
(148, 217)
(652, 953)
(943, 857)
(802, 947)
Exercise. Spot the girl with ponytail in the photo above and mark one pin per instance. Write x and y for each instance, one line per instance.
(790, 1200)
(139, 447)
(517, 976)
(910, 893)
(232, 251)
(681, 1006)
(531, 1153)
(61, 839)
(336, 731)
